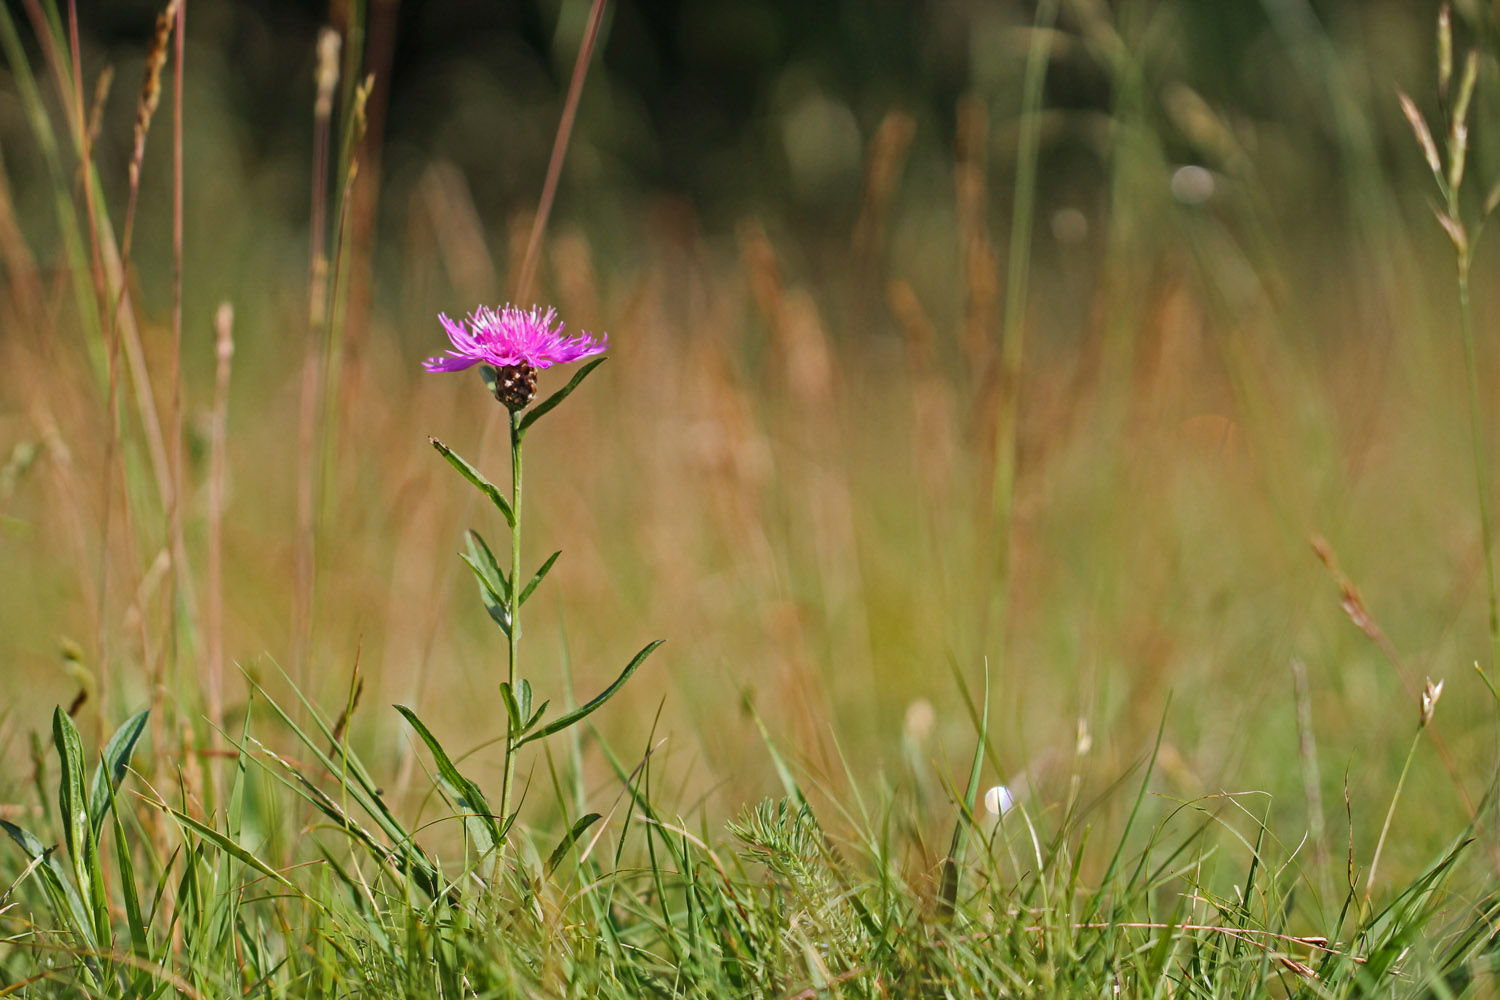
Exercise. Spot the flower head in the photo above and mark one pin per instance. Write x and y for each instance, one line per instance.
(512, 337)
(1430, 695)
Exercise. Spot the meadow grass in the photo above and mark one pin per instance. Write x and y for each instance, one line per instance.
(1163, 517)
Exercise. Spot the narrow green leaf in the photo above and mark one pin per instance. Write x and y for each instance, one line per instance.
(541, 409)
(1130, 820)
(140, 942)
(482, 484)
(579, 829)
(408, 858)
(466, 795)
(512, 709)
(953, 863)
(187, 909)
(223, 843)
(535, 716)
(236, 814)
(113, 765)
(66, 904)
(788, 780)
(484, 557)
(583, 711)
(539, 575)
(161, 886)
(523, 699)
(70, 802)
(98, 903)
(494, 600)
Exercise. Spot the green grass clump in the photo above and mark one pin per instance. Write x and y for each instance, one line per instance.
(150, 896)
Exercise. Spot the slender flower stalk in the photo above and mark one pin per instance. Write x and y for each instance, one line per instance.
(516, 434)
(1430, 694)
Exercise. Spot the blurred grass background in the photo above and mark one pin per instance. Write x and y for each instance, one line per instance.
(793, 220)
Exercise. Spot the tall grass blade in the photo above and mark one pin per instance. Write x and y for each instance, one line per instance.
(478, 817)
(72, 812)
(953, 863)
(67, 906)
(578, 830)
(113, 765)
(222, 842)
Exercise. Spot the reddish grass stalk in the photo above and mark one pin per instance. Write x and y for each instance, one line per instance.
(224, 330)
(180, 579)
(83, 139)
(380, 49)
(549, 191)
(559, 150)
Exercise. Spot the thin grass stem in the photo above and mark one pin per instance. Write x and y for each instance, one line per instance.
(180, 578)
(1390, 814)
(559, 150)
(1476, 441)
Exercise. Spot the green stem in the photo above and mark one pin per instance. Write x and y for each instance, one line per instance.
(514, 607)
(1476, 435)
(1389, 815)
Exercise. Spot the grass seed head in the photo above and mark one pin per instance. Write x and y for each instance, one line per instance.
(156, 59)
(329, 45)
(1430, 694)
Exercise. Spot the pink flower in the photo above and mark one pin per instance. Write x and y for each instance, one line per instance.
(512, 337)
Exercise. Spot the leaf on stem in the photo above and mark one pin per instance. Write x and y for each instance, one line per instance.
(494, 588)
(112, 768)
(523, 697)
(583, 711)
(466, 795)
(541, 409)
(70, 801)
(535, 580)
(222, 842)
(512, 708)
(579, 829)
(472, 475)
